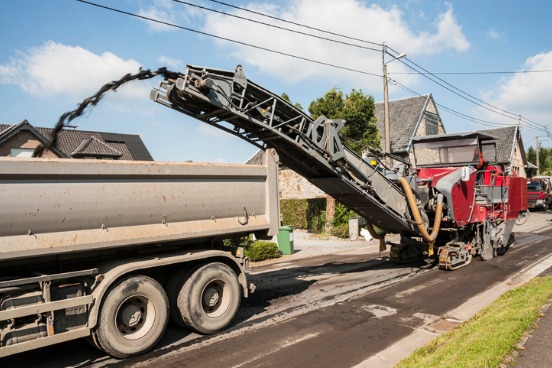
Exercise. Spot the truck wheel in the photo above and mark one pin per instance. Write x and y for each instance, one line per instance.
(173, 286)
(133, 317)
(209, 299)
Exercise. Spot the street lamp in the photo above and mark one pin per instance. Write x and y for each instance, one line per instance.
(387, 129)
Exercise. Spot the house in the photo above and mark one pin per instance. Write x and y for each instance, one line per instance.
(20, 140)
(510, 153)
(409, 117)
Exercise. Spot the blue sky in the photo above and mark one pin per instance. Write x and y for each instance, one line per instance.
(55, 53)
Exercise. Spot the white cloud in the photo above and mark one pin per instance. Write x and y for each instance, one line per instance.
(348, 17)
(161, 10)
(54, 69)
(493, 34)
(171, 63)
(165, 11)
(527, 94)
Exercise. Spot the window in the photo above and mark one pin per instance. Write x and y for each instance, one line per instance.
(21, 152)
(432, 123)
(451, 152)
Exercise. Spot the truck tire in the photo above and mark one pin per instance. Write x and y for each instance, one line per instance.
(207, 300)
(133, 317)
(173, 286)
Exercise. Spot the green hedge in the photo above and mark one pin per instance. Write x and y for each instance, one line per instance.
(261, 250)
(304, 213)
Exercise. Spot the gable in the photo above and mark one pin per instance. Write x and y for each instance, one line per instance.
(93, 147)
(408, 117)
(23, 136)
(507, 138)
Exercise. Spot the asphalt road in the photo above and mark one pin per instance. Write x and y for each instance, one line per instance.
(347, 331)
(327, 311)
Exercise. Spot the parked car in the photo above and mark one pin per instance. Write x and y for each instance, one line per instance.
(539, 192)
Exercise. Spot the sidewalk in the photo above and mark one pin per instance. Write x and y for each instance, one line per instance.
(308, 245)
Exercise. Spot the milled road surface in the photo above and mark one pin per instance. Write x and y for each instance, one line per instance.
(344, 332)
(327, 311)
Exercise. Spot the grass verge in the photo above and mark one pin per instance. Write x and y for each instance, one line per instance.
(491, 335)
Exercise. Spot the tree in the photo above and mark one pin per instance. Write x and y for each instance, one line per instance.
(296, 104)
(360, 130)
(545, 159)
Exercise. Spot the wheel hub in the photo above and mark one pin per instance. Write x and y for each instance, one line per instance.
(131, 315)
(211, 297)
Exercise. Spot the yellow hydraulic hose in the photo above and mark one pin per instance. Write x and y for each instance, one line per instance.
(430, 238)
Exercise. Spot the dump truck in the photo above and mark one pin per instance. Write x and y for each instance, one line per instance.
(110, 250)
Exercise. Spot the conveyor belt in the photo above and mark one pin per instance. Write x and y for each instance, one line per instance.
(312, 148)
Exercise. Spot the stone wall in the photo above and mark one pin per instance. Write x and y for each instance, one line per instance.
(294, 186)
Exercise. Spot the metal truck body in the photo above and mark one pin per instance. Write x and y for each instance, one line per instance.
(102, 248)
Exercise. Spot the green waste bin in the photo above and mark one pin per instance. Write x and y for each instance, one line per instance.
(285, 240)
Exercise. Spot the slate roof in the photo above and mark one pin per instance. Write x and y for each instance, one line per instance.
(257, 158)
(404, 116)
(506, 138)
(81, 143)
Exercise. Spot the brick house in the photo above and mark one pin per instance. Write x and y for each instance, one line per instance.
(20, 140)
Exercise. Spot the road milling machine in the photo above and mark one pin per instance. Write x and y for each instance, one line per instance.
(450, 201)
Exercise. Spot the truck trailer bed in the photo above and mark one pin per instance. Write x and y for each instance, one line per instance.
(57, 206)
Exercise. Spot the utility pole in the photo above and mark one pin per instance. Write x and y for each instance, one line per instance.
(387, 128)
(538, 164)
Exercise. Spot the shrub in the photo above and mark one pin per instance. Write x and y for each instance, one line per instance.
(304, 213)
(341, 231)
(261, 250)
(340, 223)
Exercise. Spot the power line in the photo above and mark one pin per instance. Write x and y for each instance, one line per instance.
(477, 73)
(229, 39)
(427, 74)
(296, 23)
(460, 93)
(275, 26)
(455, 112)
(468, 97)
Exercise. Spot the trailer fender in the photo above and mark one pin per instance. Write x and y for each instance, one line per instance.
(111, 271)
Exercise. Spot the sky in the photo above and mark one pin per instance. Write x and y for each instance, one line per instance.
(490, 61)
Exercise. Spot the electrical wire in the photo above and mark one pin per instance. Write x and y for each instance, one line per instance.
(296, 23)
(416, 68)
(426, 73)
(229, 39)
(275, 26)
(457, 113)
(478, 73)
(455, 90)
